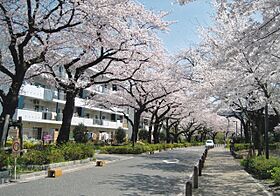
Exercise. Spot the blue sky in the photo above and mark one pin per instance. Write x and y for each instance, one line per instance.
(183, 33)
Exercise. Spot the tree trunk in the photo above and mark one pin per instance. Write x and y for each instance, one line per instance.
(176, 135)
(10, 101)
(189, 137)
(68, 111)
(168, 138)
(150, 129)
(135, 129)
(156, 133)
(246, 130)
(214, 137)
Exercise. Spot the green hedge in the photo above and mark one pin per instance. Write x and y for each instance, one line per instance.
(274, 146)
(245, 146)
(275, 173)
(140, 148)
(74, 151)
(239, 147)
(54, 154)
(4, 159)
(260, 166)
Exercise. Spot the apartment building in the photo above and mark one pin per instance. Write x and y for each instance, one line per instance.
(41, 106)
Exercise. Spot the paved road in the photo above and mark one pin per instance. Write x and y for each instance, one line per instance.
(162, 173)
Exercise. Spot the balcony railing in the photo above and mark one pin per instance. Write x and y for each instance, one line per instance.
(32, 91)
(28, 115)
(54, 118)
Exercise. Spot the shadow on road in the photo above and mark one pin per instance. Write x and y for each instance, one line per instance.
(141, 184)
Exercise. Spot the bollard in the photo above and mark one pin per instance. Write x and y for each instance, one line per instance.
(200, 167)
(206, 152)
(188, 188)
(195, 177)
(202, 162)
(203, 155)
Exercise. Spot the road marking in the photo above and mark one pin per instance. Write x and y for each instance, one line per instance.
(171, 161)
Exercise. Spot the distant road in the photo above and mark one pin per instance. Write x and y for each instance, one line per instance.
(161, 173)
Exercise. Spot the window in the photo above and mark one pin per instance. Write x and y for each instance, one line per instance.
(113, 117)
(114, 87)
(36, 108)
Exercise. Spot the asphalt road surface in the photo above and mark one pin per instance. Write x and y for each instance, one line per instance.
(161, 173)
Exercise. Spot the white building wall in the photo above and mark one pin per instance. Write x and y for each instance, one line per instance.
(37, 111)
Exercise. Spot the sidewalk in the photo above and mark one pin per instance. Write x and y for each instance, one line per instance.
(223, 175)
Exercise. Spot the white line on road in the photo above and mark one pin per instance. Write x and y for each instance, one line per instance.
(171, 161)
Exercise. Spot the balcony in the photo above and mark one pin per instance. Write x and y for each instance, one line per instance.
(32, 91)
(86, 121)
(54, 118)
(107, 123)
(28, 115)
(34, 116)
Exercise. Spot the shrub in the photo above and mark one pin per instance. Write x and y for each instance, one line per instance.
(140, 148)
(88, 150)
(71, 151)
(260, 166)
(239, 147)
(74, 151)
(79, 133)
(219, 139)
(120, 135)
(9, 142)
(137, 149)
(274, 146)
(275, 173)
(143, 134)
(195, 143)
(4, 158)
(49, 154)
(54, 155)
(30, 144)
(34, 157)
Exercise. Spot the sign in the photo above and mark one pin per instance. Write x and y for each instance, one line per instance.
(47, 137)
(16, 147)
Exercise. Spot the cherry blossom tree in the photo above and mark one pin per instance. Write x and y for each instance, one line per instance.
(27, 28)
(159, 111)
(239, 58)
(87, 39)
(114, 41)
(148, 88)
